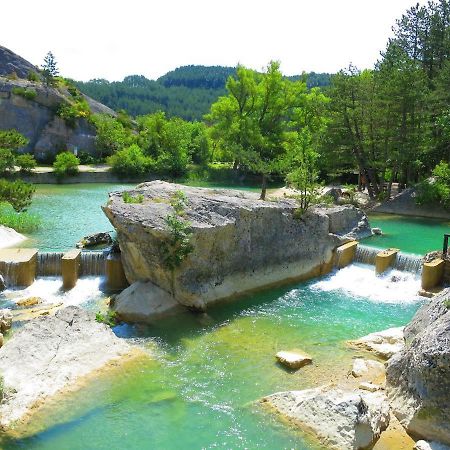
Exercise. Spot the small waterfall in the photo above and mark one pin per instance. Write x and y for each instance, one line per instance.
(49, 264)
(408, 263)
(93, 263)
(366, 255)
(9, 273)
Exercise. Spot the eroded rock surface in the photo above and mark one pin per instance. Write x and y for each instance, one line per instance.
(339, 419)
(240, 243)
(50, 353)
(418, 377)
(384, 343)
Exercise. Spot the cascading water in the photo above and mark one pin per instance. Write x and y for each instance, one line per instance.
(360, 281)
(366, 255)
(93, 263)
(9, 273)
(49, 264)
(408, 263)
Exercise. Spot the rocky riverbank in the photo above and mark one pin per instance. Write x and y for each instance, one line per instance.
(239, 243)
(414, 389)
(49, 354)
(9, 237)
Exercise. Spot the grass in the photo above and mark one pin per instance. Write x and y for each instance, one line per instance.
(22, 222)
(128, 198)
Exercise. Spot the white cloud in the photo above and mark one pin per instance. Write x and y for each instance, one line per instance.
(112, 39)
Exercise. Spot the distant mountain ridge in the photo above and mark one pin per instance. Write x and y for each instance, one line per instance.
(186, 92)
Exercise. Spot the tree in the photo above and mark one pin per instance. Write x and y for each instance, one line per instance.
(10, 142)
(49, 68)
(252, 121)
(17, 193)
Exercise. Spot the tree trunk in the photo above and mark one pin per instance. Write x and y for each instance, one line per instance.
(263, 187)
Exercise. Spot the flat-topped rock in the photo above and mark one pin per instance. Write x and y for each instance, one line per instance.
(293, 359)
(368, 368)
(239, 242)
(48, 354)
(384, 343)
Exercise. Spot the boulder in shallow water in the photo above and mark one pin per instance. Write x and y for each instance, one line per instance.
(382, 343)
(144, 302)
(418, 377)
(293, 359)
(368, 368)
(95, 239)
(339, 419)
(29, 301)
(240, 243)
(49, 353)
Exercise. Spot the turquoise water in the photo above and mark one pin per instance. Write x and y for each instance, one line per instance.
(208, 371)
(410, 234)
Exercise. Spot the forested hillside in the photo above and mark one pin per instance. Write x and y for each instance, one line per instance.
(187, 92)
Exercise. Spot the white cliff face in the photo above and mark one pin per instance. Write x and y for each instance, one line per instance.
(48, 354)
(239, 242)
(9, 237)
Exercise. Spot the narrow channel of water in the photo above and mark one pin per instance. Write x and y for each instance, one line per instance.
(208, 370)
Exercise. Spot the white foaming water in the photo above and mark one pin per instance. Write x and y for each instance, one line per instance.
(49, 289)
(360, 280)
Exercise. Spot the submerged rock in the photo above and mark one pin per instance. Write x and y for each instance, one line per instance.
(293, 359)
(239, 242)
(383, 343)
(5, 320)
(29, 301)
(418, 377)
(339, 419)
(50, 353)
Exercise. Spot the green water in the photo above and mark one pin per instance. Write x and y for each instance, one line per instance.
(208, 370)
(410, 234)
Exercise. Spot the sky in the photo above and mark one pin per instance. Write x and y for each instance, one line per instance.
(112, 39)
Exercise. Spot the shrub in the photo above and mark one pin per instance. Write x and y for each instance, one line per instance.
(70, 112)
(110, 318)
(17, 193)
(29, 94)
(22, 222)
(26, 162)
(66, 163)
(33, 76)
(7, 160)
(128, 198)
(130, 161)
(86, 158)
(436, 191)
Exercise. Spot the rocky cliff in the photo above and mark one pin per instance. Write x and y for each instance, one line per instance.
(239, 242)
(418, 377)
(36, 117)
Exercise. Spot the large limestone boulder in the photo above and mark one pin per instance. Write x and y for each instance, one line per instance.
(418, 377)
(144, 302)
(384, 343)
(239, 242)
(339, 419)
(50, 353)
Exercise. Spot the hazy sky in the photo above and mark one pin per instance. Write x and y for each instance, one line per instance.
(112, 39)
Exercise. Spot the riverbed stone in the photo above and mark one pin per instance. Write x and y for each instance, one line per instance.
(5, 320)
(29, 301)
(144, 302)
(240, 243)
(424, 445)
(293, 359)
(50, 353)
(92, 240)
(339, 419)
(368, 368)
(418, 377)
(384, 343)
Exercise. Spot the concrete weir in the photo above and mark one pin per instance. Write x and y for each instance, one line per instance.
(20, 267)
